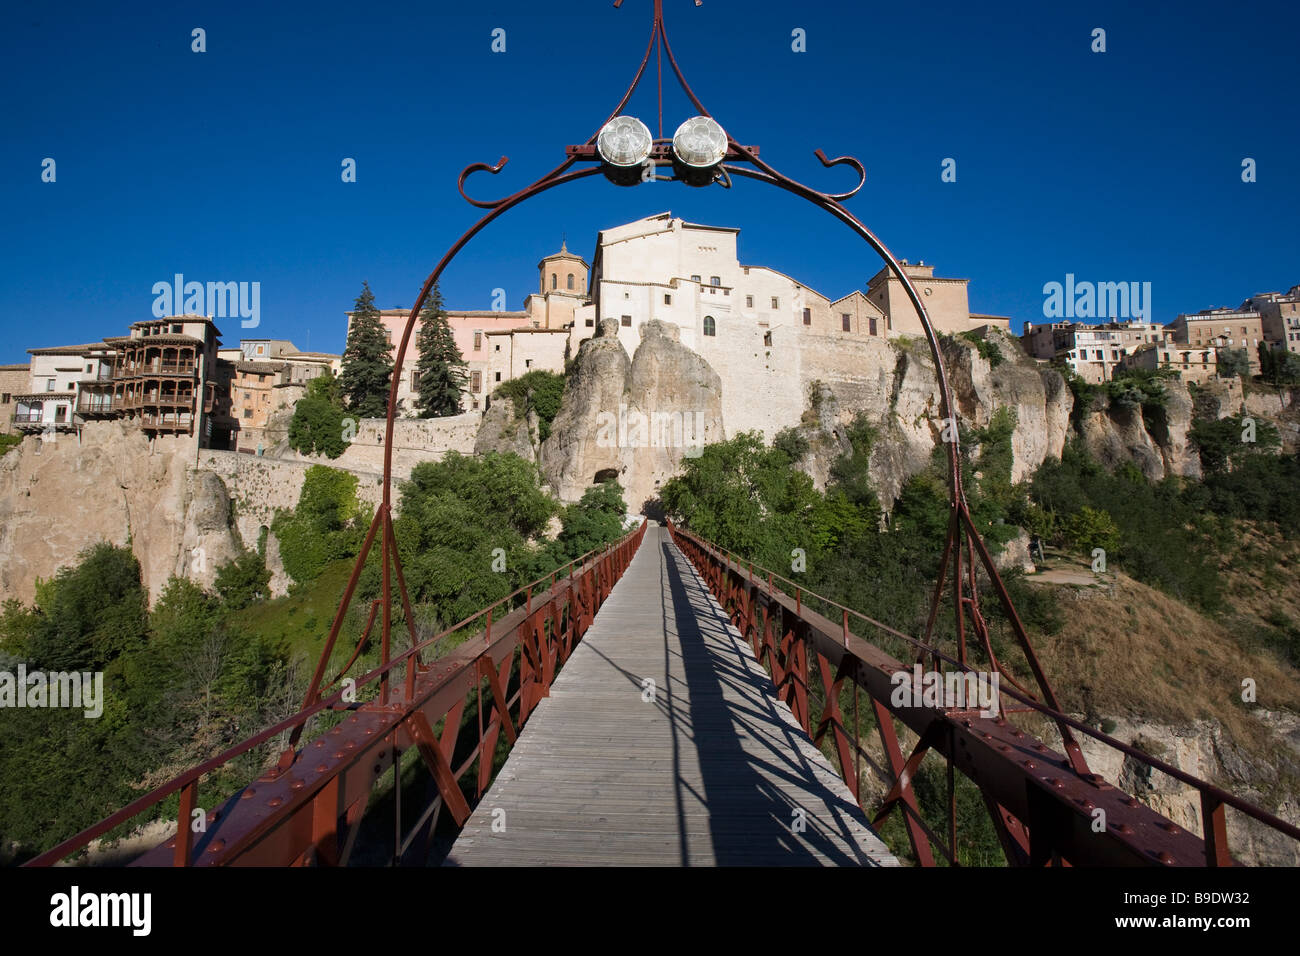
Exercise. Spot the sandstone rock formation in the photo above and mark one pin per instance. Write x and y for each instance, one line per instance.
(633, 419)
(110, 484)
(504, 430)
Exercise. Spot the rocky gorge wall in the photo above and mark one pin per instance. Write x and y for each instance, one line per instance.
(110, 484)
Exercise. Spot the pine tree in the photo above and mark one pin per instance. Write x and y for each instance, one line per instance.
(367, 360)
(440, 372)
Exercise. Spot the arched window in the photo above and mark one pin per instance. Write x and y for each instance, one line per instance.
(554, 280)
(710, 327)
(570, 280)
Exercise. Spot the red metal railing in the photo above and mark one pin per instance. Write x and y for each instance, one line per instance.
(453, 710)
(1044, 811)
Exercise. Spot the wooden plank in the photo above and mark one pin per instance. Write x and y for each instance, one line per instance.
(706, 767)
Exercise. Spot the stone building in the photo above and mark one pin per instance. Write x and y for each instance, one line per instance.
(15, 380)
(688, 275)
(1191, 364)
(66, 385)
(165, 378)
(1093, 352)
(1279, 317)
(1222, 328)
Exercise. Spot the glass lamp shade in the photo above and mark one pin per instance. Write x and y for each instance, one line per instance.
(624, 142)
(700, 142)
(699, 145)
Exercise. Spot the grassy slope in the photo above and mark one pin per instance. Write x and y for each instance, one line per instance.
(1138, 652)
(299, 623)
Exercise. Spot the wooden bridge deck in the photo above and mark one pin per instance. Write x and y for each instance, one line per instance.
(713, 770)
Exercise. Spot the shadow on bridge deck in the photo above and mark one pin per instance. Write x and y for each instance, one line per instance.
(703, 767)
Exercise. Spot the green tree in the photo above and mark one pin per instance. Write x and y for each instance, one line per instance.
(440, 371)
(593, 521)
(1279, 366)
(328, 523)
(367, 360)
(538, 391)
(1090, 528)
(243, 581)
(97, 612)
(1232, 362)
(183, 614)
(1222, 443)
(317, 423)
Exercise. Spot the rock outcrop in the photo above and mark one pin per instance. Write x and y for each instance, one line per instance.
(110, 484)
(505, 430)
(634, 419)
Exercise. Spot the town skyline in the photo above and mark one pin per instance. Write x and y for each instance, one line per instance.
(1034, 199)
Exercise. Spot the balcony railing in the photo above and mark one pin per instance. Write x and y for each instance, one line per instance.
(155, 368)
(102, 407)
(165, 422)
(27, 418)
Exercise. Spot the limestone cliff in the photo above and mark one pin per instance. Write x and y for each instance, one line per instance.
(110, 484)
(505, 430)
(632, 418)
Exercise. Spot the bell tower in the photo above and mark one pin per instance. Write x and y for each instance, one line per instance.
(563, 272)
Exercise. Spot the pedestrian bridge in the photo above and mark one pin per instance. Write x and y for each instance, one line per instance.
(659, 702)
(663, 743)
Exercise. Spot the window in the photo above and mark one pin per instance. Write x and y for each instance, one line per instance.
(89, 369)
(554, 280)
(776, 303)
(4, 398)
(590, 323)
(496, 348)
(871, 324)
(478, 340)
(415, 381)
(710, 327)
(498, 376)
(807, 316)
(846, 322)
(715, 280)
(177, 328)
(668, 299)
(570, 280)
(528, 363)
(49, 384)
(749, 301)
(625, 321)
(476, 382)
(248, 413)
(695, 278)
(767, 338)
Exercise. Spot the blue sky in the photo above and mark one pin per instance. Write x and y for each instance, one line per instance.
(225, 165)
